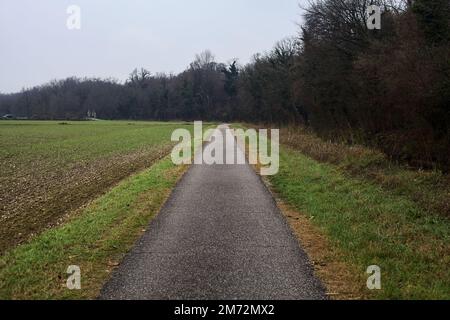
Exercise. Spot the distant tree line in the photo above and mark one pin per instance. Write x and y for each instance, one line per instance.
(387, 88)
(204, 91)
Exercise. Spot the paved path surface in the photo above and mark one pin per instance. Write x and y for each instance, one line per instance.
(219, 236)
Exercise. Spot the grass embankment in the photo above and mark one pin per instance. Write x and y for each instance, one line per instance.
(366, 211)
(95, 240)
(50, 168)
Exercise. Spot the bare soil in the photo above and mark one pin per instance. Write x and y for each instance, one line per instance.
(42, 198)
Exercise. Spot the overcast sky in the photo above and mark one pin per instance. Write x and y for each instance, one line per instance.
(118, 36)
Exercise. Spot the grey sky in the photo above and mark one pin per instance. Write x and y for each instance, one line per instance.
(117, 36)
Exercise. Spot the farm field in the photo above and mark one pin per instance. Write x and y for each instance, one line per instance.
(50, 169)
(96, 239)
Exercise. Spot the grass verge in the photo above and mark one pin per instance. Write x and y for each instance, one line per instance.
(96, 239)
(365, 224)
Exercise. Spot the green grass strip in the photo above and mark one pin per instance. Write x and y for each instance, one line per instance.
(371, 227)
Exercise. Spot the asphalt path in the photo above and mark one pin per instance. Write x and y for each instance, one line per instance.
(219, 236)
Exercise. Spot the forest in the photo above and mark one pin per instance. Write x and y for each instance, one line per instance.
(388, 88)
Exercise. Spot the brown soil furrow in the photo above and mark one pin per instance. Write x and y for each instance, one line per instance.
(34, 202)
